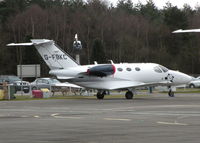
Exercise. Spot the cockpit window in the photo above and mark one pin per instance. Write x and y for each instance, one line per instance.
(164, 69)
(157, 69)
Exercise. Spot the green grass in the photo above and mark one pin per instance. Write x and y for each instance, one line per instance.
(71, 96)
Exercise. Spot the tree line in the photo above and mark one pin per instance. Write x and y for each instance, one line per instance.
(126, 32)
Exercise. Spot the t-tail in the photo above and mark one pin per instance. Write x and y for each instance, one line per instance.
(54, 57)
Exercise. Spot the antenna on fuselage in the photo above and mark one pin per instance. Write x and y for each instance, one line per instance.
(111, 61)
(95, 62)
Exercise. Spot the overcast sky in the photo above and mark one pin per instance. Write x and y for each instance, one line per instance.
(161, 3)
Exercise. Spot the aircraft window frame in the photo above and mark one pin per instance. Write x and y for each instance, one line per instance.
(120, 69)
(157, 69)
(129, 69)
(137, 69)
(164, 69)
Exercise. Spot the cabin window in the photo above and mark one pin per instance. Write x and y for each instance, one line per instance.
(120, 69)
(137, 69)
(128, 69)
(164, 69)
(157, 69)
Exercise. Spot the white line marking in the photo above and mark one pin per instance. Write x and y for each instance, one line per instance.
(24, 116)
(54, 114)
(116, 119)
(172, 123)
(36, 116)
(65, 117)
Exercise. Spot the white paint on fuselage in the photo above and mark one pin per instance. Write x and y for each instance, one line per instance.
(146, 75)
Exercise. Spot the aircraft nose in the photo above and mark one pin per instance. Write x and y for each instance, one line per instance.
(182, 78)
(186, 78)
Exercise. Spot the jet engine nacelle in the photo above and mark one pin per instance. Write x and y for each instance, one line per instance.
(102, 70)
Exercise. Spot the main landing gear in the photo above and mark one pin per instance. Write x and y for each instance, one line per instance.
(129, 95)
(100, 94)
(170, 93)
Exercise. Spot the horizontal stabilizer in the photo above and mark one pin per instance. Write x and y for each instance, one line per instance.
(20, 44)
(33, 42)
(186, 31)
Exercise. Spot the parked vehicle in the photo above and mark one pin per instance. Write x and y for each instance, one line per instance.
(54, 85)
(15, 81)
(10, 79)
(195, 83)
(22, 86)
(40, 83)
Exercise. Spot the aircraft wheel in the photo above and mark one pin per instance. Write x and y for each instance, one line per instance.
(191, 86)
(100, 95)
(129, 95)
(171, 93)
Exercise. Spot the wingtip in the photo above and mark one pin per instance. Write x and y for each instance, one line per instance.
(177, 31)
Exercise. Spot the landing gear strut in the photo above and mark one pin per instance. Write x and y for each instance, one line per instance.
(129, 95)
(170, 93)
(100, 94)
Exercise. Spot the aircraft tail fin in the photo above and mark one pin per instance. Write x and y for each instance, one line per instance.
(54, 57)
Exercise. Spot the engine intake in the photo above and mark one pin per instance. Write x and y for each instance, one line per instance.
(102, 70)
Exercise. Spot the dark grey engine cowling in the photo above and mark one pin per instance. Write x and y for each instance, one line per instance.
(102, 70)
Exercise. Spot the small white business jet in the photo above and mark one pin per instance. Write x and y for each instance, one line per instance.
(104, 77)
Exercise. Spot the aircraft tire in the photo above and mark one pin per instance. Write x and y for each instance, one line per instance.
(129, 95)
(191, 86)
(171, 93)
(100, 95)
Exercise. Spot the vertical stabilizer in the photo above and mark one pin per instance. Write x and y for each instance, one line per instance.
(54, 57)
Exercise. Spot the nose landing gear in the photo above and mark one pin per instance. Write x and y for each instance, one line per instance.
(170, 93)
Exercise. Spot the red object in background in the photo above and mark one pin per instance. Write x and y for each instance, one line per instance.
(37, 94)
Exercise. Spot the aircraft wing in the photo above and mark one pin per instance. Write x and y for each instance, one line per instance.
(66, 84)
(116, 84)
(134, 84)
(186, 31)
